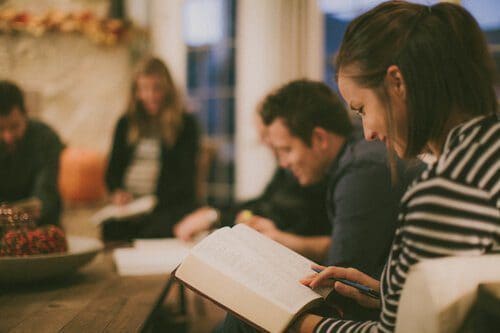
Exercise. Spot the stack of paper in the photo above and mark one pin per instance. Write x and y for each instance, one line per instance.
(151, 256)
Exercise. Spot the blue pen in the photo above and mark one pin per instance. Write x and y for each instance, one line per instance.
(362, 288)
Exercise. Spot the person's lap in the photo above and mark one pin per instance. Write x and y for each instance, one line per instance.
(157, 224)
(232, 324)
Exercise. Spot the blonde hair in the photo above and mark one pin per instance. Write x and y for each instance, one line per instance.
(170, 114)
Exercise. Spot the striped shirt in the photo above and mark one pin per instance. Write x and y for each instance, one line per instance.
(453, 209)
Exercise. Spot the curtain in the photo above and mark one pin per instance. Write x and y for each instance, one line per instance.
(277, 41)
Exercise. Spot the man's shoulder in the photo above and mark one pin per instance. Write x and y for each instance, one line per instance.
(40, 127)
(360, 152)
(42, 131)
(360, 162)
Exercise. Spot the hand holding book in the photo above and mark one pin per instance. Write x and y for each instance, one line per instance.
(252, 276)
(348, 282)
(121, 197)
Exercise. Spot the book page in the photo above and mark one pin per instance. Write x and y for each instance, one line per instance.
(288, 264)
(238, 260)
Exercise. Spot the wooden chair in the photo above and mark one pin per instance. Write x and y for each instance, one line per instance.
(207, 154)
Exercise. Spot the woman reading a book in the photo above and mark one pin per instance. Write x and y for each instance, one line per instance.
(422, 80)
(154, 151)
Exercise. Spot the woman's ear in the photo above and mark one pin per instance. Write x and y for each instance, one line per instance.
(395, 81)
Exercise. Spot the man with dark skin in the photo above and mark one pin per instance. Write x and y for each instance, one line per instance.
(29, 158)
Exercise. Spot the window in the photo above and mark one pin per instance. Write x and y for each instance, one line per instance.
(210, 40)
(486, 13)
(338, 14)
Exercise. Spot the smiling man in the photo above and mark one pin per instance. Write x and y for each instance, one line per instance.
(29, 157)
(313, 136)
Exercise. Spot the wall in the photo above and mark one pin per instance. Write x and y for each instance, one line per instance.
(277, 41)
(76, 86)
(166, 36)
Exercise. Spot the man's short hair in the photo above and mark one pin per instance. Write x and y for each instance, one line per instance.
(304, 105)
(11, 96)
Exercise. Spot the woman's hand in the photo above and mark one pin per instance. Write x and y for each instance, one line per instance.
(323, 280)
(121, 197)
(200, 220)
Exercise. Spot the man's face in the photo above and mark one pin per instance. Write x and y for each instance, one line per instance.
(12, 129)
(307, 163)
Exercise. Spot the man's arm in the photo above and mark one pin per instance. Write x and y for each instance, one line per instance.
(312, 247)
(45, 187)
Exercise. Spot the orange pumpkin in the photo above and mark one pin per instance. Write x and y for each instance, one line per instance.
(81, 175)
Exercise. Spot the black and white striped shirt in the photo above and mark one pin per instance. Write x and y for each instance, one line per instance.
(453, 209)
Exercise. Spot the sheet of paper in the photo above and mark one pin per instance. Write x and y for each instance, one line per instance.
(139, 206)
(150, 256)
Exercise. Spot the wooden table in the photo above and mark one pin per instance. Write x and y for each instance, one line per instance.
(95, 299)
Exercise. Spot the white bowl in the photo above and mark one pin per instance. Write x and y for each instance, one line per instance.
(81, 250)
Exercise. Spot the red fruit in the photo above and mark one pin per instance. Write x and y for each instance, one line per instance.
(25, 241)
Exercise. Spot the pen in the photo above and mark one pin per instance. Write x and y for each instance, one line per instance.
(362, 288)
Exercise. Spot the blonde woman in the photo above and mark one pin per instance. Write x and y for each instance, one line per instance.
(154, 151)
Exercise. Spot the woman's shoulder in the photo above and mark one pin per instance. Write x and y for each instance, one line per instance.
(189, 118)
(122, 123)
(471, 153)
(467, 170)
(123, 119)
(190, 123)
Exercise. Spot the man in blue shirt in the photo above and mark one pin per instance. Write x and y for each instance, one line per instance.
(314, 138)
(312, 134)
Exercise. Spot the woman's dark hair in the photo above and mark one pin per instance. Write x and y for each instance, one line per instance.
(11, 96)
(442, 55)
(304, 105)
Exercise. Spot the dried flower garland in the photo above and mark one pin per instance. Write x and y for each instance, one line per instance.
(99, 30)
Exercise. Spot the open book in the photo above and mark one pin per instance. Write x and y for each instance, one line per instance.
(252, 276)
(142, 205)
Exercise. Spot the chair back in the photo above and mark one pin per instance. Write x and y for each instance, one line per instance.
(438, 293)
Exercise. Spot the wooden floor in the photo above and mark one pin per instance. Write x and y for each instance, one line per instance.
(202, 315)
